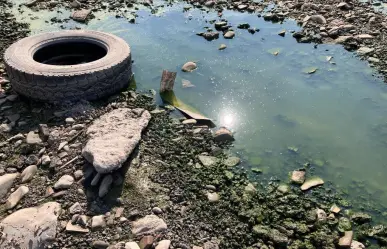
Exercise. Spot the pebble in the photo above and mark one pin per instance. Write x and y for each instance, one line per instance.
(6, 127)
(357, 245)
(16, 196)
(157, 210)
(28, 173)
(312, 182)
(33, 138)
(222, 46)
(229, 35)
(335, 209)
(298, 176)
(99, 244)
(189, 121)
(98, 222)
(213, 197)
(78, 174)
(61, 145)
(211, 187)
(78, 127)
(69, 121)
(64, 182)
(282, 33)
(189, 66)
(283, 188)
(45, 160)
(76, 208)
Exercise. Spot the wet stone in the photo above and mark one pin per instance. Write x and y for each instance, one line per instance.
(213, 197)
(346, 240)
(298, 176)
(232, 161)
(229, 35)
(312, 182)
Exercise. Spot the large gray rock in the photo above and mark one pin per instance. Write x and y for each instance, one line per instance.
(148, 225)
(113, 137)
(30, 228)
(6, 182)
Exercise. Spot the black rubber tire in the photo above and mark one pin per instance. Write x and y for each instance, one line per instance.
(53, 83)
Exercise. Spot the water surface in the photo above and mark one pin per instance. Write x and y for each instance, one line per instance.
(335, 118)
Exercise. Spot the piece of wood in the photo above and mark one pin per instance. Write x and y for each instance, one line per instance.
(167, 81)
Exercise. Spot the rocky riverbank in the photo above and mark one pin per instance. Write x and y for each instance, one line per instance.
(174, 187)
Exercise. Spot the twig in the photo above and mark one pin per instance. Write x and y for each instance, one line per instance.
(72, 160)
(75, 136)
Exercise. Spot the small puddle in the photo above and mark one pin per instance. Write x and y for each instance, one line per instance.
(288, 103)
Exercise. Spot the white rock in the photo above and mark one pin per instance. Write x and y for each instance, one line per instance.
(364, 50)
(16, 196)
(105, 185)
(28, 173)
(98, 222)
(64, 182)
(61, 145)
(148, 225)
(113, 137)
(78, 174)
(164, 244)
(6, 182)
(33, 138)
(189, 66)
(46, 160)
(78, 127)
(70, 121)
(213, 197)
(131, 245)
(76, 208)
(30, 227)
(229, 35)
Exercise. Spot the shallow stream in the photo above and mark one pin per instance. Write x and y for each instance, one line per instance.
(282, 116)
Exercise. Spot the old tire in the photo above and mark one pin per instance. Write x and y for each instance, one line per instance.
(92, 65)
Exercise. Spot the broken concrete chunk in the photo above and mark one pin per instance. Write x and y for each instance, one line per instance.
(312, 182)
(80, 15)
(113, 137)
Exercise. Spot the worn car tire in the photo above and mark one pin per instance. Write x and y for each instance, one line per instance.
(57, 83)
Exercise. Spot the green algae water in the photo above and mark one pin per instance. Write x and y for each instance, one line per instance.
(289, 104)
